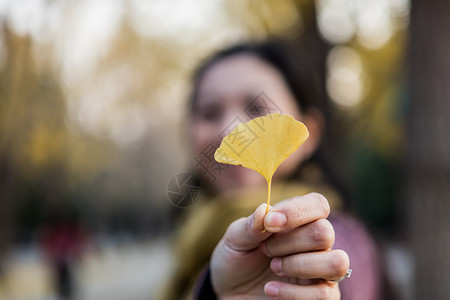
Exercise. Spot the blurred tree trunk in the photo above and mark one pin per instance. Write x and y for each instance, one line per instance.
(428, 152)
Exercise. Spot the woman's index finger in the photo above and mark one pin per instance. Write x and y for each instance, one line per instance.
(297, 211)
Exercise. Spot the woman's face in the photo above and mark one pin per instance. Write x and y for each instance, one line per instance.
(227, 95)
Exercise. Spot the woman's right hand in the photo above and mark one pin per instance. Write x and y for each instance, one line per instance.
(292, 259)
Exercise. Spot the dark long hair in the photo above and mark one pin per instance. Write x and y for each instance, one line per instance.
(303, 78)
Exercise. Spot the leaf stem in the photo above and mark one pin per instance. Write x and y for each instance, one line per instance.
(269, 184)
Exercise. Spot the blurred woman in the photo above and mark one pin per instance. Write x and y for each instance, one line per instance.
(305, 250)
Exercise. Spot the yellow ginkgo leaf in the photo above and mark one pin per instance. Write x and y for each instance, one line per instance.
(262, 144)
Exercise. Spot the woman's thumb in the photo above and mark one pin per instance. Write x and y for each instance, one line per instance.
(247, 234)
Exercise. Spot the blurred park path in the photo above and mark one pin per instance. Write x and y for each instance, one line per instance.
(132, 271)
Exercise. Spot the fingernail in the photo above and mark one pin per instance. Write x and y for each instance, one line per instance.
(271, 290)
(261, 206)
(258, 215)
(275, 265)
(275, 219)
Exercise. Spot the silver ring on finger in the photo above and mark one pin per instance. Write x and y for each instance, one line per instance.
(347, 275)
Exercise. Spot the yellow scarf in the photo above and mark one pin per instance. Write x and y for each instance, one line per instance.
(208, 221)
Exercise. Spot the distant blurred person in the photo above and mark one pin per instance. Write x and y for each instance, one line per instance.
(222, 251)
(63, 240)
